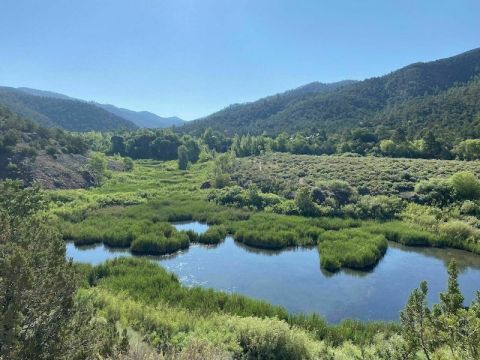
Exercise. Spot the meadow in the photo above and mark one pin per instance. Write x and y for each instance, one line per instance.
(134, 209)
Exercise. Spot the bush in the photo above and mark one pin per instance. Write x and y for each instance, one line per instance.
(304, 203)
(439, 192)
(470, 208)
(456, 234)
(338, 190)
(466, 185)
(380, 207)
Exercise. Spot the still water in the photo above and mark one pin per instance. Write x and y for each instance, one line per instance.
(293, 278)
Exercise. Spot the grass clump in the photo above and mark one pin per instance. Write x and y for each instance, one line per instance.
(214, 235)
(353, 248)
(155, 244)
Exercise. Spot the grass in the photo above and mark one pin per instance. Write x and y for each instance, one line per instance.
(133, 210)
(150, 287)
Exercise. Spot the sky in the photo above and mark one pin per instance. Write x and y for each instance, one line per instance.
(191, 58)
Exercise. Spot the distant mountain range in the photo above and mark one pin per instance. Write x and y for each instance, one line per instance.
(442, 96)
(57, 110)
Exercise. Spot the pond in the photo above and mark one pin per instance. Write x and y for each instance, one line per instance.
(293, 278)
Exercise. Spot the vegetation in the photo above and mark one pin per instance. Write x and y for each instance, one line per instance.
(68, 114)
(40, 315)
(440, 96)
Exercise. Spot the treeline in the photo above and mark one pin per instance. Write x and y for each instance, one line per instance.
(359, 141)
(167, 145)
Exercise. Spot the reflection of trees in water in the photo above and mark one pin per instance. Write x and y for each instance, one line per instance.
(463, 258)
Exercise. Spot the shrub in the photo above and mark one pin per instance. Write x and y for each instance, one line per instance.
(456, 233)
(470, 208)
(466, 185)
(439, 192)
(380, 207)
(304, 202)
(338, 190)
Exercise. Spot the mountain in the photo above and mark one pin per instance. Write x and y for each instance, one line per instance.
(414, 97)
(67, 114)
(44, 93)
(144, 119)
(242, 118)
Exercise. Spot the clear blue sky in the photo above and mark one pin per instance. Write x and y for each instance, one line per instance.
(190, 58)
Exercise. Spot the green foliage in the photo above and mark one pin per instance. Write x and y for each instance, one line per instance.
(214, 235)
(380, 207)
(446, 328)
(182, 157)
(97, 165)
(468, 149)
(304, 202)
(280, 173)
(158, 244)
(466, 185)
(440, 96)
(39, 314)
(439, 192)
(68, 114)
(353, 248)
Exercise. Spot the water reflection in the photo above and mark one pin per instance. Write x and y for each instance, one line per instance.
(293, 278)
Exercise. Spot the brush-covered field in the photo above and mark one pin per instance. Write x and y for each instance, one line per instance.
(284, 173)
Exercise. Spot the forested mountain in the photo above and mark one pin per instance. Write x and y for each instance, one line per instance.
(242, 118)
(67, 114)
(144, 119)
(48, 112)
(442, 95)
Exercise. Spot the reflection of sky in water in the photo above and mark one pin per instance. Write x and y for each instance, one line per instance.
(292, 278)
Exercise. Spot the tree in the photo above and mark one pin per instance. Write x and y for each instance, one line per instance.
(39, 316)
(416, 321)
(97, 165)
(304, 202)
(117, 146)
(468, 149)
(182, 157)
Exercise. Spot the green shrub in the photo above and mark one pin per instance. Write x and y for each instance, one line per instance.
(466, 185)
(439, 192)
(380, 207)
(458, 234)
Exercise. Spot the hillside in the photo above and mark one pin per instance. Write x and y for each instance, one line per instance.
(73, 115)
(51, 157)
(407, 97)
(242, 118)
(143, 119)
